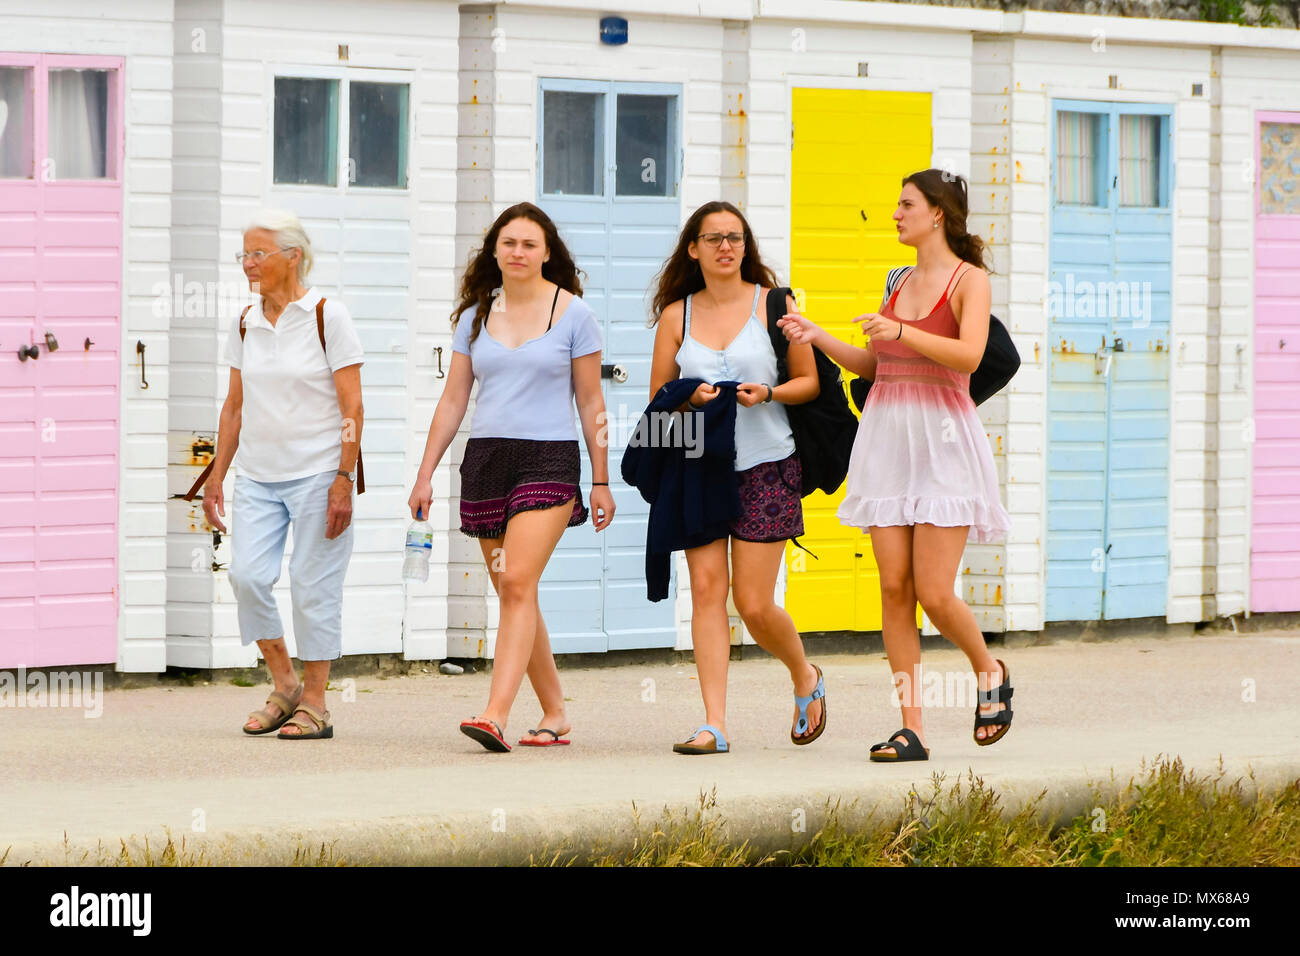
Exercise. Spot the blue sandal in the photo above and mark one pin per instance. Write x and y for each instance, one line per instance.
(801, 725)
(718, 745)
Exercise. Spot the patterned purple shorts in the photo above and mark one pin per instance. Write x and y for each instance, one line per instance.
(501, 477)
(771, 507)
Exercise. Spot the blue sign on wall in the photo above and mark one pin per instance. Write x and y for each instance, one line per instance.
(613, 30)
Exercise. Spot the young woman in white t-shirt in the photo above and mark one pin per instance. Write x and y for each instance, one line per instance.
(523, 332)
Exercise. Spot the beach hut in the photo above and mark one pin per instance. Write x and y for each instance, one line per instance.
(85, 149)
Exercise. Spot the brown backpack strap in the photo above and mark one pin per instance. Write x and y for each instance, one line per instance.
(320, 332)
(242, 316)
(203, 476)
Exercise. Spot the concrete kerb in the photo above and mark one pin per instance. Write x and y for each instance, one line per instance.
(538, 836)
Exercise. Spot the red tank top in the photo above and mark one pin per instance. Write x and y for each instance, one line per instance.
(898, 362)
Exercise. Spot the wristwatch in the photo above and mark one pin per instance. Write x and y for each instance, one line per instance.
(349, 475)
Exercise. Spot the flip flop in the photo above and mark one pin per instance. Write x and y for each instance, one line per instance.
(555, 741)
(486, 732)
(718, 745)
(803, 703)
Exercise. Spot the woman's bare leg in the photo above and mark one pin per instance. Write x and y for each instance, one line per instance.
(893, 550)
(542, 672)
(936, 557)
(710, 634)
(754, 569)
(530, 539)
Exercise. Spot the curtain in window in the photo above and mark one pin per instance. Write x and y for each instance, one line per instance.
(15, 133)
(78, 123)
(1139, 160)
(1077, 142)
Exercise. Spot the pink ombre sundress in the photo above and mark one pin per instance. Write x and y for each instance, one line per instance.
(921, 455)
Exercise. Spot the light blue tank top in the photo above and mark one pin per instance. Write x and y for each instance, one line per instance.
(763, 431)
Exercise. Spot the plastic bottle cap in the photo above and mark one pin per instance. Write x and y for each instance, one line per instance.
(419, 513)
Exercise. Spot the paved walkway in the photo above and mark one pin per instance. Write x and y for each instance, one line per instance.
(400, 784)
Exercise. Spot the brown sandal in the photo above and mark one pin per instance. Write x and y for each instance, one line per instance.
(316, 726)
(266, 721)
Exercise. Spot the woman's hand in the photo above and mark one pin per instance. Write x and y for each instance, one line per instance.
(798, 329)
(338, 514)
(874, 324)
(704, 394)
(214, 502)
(751, 394)
(602, 506)
(421, 498)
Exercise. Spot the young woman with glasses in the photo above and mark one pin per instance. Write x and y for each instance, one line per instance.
(711, 306)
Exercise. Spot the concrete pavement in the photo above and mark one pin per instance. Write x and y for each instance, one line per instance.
(400, 784)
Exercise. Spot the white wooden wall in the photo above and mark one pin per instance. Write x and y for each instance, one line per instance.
(505, 50)
(1247, 80)
(785, 53)
(1031, 72)
(404, 237)
(139, 31)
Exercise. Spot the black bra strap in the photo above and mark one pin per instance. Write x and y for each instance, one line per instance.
(553, 301)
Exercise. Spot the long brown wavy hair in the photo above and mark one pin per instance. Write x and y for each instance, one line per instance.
(947, 191)
(681, 275)
(483, 274)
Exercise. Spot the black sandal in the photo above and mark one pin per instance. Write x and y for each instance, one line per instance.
(999, 718)
(909, 749)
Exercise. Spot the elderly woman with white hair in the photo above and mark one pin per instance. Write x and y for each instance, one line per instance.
(294, 414)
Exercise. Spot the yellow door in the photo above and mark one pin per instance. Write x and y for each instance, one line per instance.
(851, 150)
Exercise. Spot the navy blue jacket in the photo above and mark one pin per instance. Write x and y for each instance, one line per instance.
(693, 492)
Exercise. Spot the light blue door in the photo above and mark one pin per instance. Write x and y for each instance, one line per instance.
(608, 174)
(1108, 304)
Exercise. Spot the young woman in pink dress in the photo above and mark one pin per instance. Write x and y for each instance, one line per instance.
(921, 476)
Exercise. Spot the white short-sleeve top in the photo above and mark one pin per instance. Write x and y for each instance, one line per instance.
(292, 426)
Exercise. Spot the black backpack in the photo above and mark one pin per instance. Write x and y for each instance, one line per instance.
(824, 428)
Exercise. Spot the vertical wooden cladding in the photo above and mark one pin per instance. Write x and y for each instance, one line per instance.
(1275, 512)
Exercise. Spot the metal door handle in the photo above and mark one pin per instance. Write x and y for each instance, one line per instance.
(617, 372)
(28, 351)
(1103, 359)
(51, 342)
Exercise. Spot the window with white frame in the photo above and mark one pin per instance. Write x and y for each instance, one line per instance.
(310, 133)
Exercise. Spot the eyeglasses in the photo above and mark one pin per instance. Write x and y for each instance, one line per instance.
(257, 256)
(714, 239)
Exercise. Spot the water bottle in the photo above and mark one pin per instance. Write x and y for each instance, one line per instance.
(419, 545)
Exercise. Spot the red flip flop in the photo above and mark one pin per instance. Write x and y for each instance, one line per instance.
(487, 733)
(549, 743)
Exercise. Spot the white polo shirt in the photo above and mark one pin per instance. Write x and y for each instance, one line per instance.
(292, 426)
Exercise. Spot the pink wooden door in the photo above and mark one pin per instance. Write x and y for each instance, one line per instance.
(1275, 509)
(61, 148)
